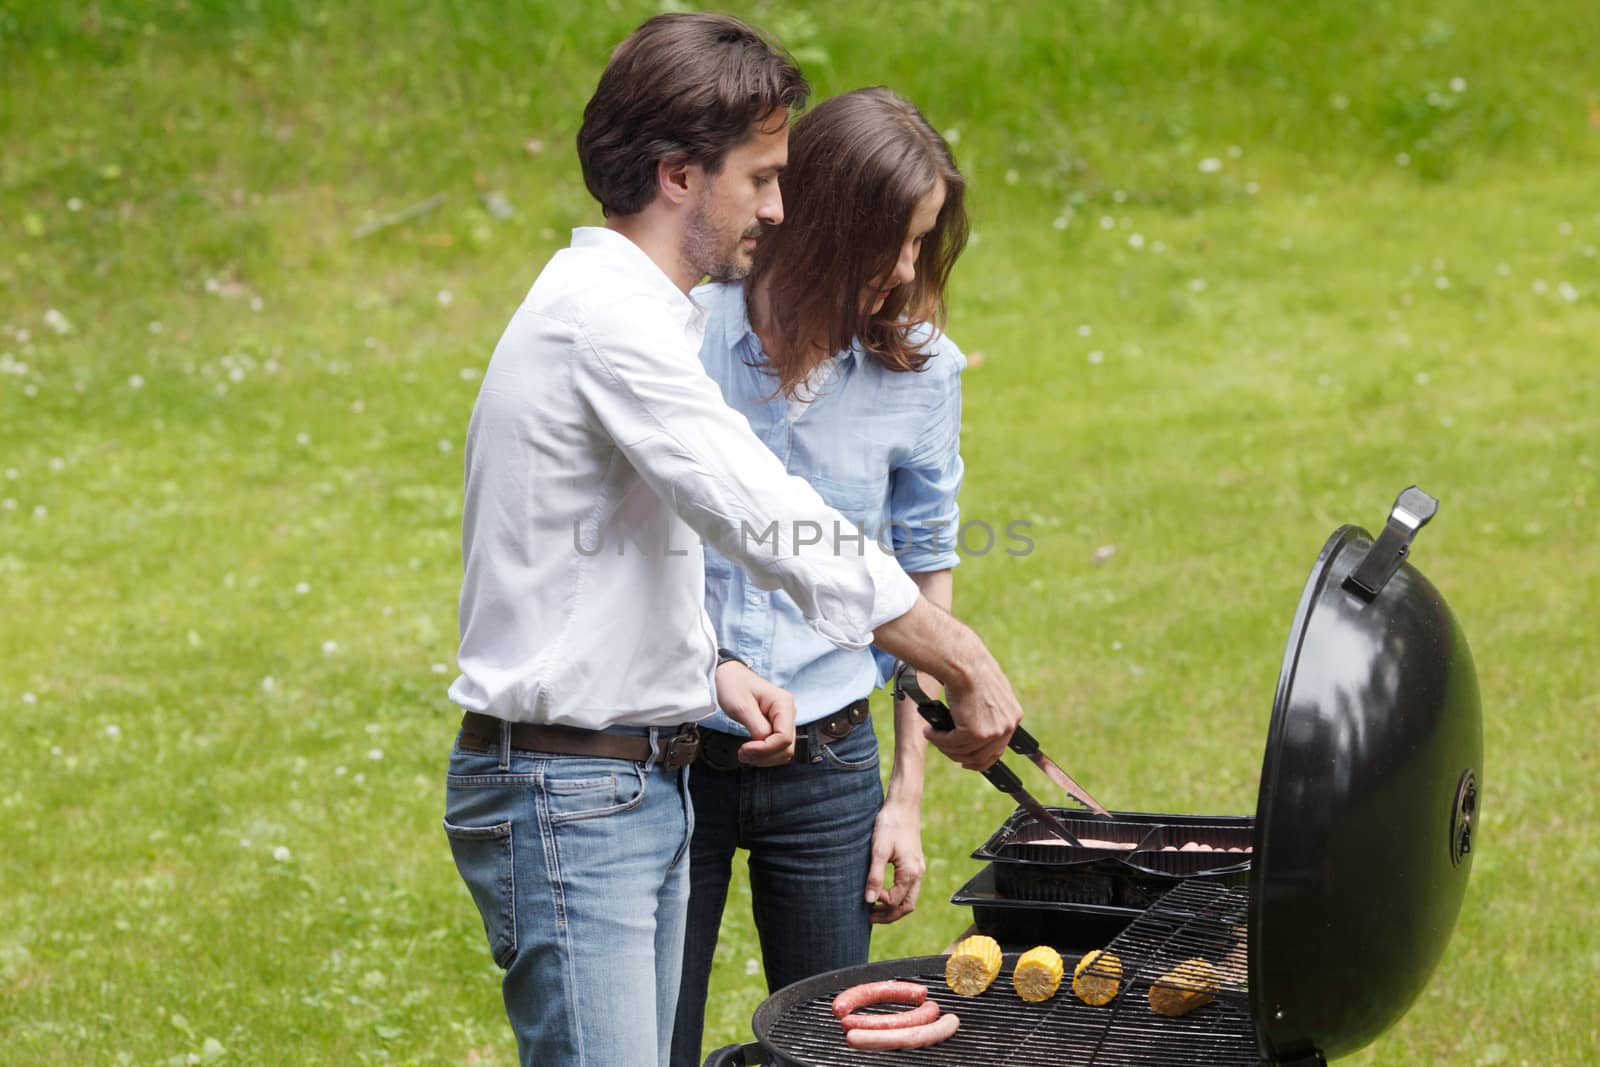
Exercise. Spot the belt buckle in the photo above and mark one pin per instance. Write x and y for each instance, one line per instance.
(720, 752)
(683, 748)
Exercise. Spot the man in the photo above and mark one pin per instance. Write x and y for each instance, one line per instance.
(598, 451)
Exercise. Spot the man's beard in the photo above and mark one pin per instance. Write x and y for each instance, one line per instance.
(708, 251)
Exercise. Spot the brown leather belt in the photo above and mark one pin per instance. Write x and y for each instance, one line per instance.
(720, 751)
(480, 733)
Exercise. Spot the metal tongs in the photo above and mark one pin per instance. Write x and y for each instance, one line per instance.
(1000, 776)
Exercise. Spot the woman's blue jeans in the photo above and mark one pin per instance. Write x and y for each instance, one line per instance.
(808, 828)
(579, 868)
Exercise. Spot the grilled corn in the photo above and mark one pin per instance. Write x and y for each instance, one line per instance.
(1096, 977)
(1189, 985)
(973, 965)
(1038, 973)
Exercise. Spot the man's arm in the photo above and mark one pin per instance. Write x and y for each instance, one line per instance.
(656, 402)
(897, 833)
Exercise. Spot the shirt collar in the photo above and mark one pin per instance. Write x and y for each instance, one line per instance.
(634, 260)
(738, 328)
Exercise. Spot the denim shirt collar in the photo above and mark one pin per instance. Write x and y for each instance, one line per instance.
(741, 336)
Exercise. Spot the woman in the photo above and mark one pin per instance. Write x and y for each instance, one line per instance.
(833, 348)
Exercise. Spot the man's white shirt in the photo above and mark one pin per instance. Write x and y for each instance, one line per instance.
(599, 457)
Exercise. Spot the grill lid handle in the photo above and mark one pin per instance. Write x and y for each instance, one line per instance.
(1412, 510)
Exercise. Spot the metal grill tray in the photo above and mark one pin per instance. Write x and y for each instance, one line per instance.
(999, 1027)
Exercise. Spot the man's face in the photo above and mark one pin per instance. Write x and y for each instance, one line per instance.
(735, 204)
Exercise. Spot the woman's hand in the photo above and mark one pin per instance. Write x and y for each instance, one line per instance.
(896, 841)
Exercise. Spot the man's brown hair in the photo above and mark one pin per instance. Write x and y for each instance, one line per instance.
(858, 166)
(684, 86)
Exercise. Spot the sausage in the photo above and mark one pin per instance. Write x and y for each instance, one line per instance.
(895, 1020)
(859, 996)
(906, 1037)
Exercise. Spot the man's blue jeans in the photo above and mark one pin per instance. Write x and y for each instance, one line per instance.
(579, 868)
(808, 827)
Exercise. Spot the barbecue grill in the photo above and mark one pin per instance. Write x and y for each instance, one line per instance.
(1361, 848)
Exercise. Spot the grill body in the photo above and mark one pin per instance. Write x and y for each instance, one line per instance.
(1361, 850)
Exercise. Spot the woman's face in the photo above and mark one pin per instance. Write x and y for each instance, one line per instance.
(904, 272)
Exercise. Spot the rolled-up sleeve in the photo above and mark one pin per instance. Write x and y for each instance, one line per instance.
(646, 387)
(924, 516)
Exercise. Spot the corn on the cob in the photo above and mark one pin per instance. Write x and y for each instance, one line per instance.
(973, 965)
(1186, 987)
(1096, 977)
(1038, 973)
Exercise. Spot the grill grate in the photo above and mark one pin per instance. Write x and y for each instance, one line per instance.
(1197, 919)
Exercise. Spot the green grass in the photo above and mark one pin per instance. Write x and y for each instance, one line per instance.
(228, 540)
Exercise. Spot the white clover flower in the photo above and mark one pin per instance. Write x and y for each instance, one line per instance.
(135, 381)
(1097, 357)
(1136, 240)
(445, 298)
(1458, 85)
(302, 588)
(57, 321)
(329, 647)
(1210, 165)
(281, 854)
(375, 754)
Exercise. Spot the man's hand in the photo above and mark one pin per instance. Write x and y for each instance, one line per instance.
(760, 707)
(986, 712)
(981, 702)
(896, 840)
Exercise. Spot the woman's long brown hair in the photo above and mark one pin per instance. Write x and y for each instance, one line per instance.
(858, 165)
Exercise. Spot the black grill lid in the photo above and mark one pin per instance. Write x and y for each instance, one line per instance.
(1369, 789)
